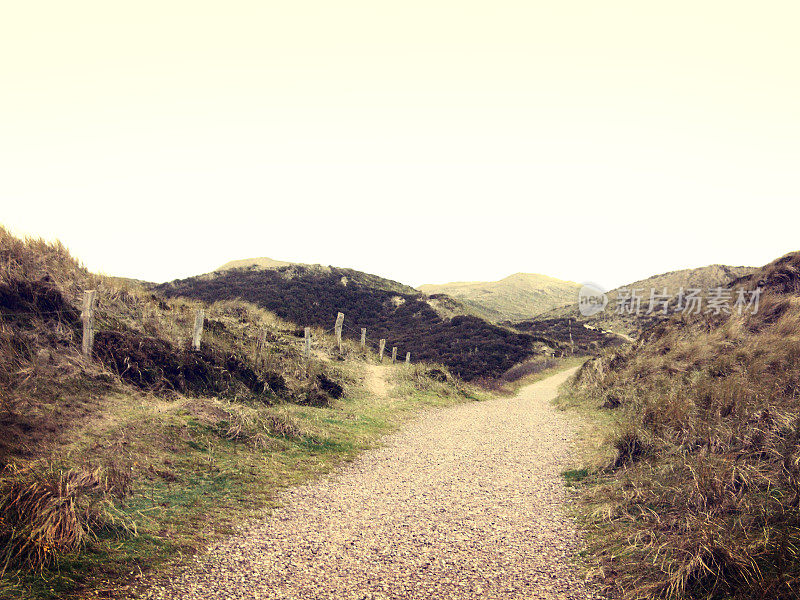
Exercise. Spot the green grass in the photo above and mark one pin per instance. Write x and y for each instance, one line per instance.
(596, 426)
(574, 476)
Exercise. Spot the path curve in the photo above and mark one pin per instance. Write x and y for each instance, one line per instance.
(463, 502)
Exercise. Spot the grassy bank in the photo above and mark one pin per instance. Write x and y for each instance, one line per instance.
(202, 465)
(690, 477)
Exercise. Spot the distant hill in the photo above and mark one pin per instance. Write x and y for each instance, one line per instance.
(514, 298)
(261, 262)
(703, 278)
(435, 328)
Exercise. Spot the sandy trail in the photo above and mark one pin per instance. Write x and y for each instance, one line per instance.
(463, 502)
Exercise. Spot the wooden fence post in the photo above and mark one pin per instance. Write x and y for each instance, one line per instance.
(394, 354)
(363, 338)
(261, 344)
(408, 358)
(571, 344)
(307, 351)
(197, 333)
(338, 329)
(381, 348)
(87, 316)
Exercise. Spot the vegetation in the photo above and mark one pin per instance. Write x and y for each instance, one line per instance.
(569, 335)
(150, 451)
(695, 452)
(703, 278)
(514, 298)
(468, 345)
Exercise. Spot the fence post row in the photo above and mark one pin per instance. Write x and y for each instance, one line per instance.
(87, 316)
(338, 329)
(88, 319)
(197, 334)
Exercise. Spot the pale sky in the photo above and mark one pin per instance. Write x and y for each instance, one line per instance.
(425, 141)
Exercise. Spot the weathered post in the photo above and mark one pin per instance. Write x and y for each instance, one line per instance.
(261, 345)
(307, 351)
(408, 358)
(363, 338)
(381, 348)
(571, 344)
(197, 334)
(338, 329)
(87, 316)
(394, 354)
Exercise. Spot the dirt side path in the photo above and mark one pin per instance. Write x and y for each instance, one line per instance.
(464, 502)
(376, 380)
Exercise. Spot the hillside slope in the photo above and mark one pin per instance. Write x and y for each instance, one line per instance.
(704, 278)
(431, 328)
(514, 298)
(700, 277)
(700, 494)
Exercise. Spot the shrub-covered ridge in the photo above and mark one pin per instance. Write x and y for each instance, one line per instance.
(468, 345)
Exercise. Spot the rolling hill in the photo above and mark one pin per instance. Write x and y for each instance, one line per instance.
(514, 298)
(433, 328)
(704, 278)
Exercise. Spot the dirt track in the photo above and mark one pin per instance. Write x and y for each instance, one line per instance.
(464, 502)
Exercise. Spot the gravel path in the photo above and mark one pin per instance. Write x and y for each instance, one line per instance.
(464, 502)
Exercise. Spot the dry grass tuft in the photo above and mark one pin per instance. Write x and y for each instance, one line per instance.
(431, 378)
(48, 512)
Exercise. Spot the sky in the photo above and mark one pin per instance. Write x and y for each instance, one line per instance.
(425, 141)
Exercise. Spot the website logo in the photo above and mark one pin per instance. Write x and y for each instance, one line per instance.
(592, 299)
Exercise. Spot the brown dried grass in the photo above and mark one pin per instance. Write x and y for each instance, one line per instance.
(47, 512)
(702, 498)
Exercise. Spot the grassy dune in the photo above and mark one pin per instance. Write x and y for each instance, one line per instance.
(514, 298)
(691, 477)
